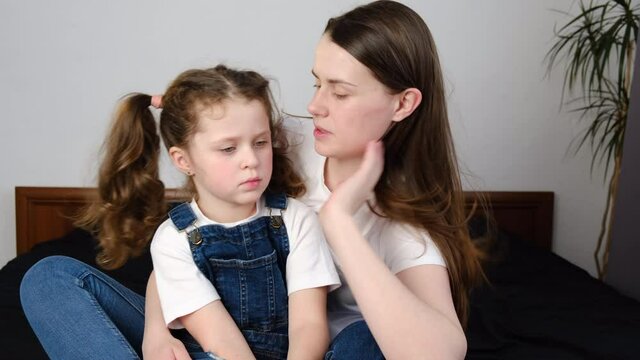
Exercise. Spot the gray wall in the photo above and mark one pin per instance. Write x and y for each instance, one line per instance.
(624, 256)
(64, 63)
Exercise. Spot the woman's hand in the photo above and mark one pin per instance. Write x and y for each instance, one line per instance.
(163, 346)
(349, 196)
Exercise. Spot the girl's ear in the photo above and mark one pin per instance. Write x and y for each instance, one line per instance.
(408, 101)
(180, 159)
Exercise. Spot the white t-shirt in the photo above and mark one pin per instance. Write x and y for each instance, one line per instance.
(183, 288)
(400, 246)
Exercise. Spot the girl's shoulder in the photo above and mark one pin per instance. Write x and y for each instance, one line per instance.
(165, 235)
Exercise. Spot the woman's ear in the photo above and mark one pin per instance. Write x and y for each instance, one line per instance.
(408, 101)
(180, 159)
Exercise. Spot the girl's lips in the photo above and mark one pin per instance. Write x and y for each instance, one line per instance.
(251, 183)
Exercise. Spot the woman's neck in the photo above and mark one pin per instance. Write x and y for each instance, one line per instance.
(338, 170)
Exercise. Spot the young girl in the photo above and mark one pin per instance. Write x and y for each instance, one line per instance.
(240, 240)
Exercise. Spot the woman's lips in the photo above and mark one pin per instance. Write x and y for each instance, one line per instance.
(319, 132)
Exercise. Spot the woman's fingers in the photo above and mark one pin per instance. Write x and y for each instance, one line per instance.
(354, 191)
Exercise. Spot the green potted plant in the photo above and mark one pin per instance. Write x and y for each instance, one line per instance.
(597, 49)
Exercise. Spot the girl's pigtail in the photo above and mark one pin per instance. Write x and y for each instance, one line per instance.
(130, 204)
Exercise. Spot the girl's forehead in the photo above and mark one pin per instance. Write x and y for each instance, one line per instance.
(231, 115)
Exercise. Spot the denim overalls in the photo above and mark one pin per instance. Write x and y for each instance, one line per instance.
(247, 266)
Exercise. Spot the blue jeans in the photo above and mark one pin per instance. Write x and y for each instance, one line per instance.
(78, 312)
(355, 342)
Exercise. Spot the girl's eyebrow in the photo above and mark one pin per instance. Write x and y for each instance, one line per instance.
(235, 138)
(335, 81)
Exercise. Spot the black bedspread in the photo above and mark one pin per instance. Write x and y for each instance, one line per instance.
(538, 305)
(17, 340)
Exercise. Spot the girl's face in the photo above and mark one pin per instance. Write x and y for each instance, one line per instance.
(350, 106)
(230, 156)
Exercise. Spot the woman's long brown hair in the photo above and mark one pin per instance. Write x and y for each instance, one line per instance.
(131, 204)
(420, 184)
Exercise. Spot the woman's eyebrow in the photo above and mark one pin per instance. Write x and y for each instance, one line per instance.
(334, 81)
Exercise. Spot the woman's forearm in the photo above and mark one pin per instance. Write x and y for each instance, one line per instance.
(404, 326)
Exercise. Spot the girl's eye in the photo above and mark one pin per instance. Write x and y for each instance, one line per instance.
(228, 150)
(340, 96)
(261, 143)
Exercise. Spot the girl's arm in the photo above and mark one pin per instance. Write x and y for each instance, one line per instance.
(224, 339)
(216, 332)
(410, 315)
(308, 327)
(158, 343)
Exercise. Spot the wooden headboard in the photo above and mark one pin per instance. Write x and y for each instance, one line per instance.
(44, 213)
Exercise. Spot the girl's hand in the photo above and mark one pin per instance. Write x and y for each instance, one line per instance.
(353, 192)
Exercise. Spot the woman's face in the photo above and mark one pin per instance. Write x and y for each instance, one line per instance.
(350, 106)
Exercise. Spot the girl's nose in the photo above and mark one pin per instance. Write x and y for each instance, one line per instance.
(249, 159)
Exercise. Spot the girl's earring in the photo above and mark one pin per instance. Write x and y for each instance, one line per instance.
(189, 173)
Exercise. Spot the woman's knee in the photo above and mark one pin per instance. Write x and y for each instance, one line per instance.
(48, 275)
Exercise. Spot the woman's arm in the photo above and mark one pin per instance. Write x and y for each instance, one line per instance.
(308, 327)
(158, 343)
(216, 332)
(411, 315)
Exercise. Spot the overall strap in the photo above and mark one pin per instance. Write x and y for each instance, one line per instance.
(182, 216)
(276, 201)
(279, 238)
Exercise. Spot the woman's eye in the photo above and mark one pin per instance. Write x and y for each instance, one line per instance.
(261, 143)
(228, 150)
(340, 96)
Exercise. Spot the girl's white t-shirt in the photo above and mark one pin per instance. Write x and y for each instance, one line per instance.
(183, 289)
(400, 246)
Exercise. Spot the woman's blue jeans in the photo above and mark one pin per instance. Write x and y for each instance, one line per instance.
(78, 312)
(355, 342)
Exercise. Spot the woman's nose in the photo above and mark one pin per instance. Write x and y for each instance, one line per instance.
(317, 107)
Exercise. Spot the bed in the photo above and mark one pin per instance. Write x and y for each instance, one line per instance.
(535, 306)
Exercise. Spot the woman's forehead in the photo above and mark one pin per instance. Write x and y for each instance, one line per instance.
(334, 63)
